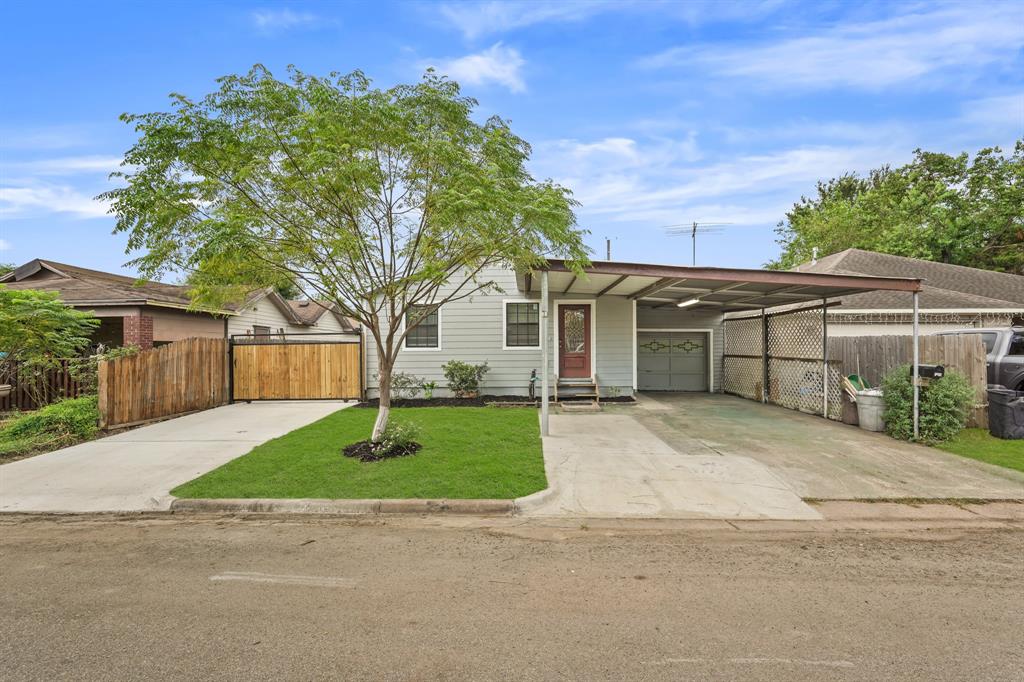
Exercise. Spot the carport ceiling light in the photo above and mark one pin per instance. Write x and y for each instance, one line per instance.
(686, 304)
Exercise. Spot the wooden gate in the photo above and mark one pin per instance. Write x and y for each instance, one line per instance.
(295, 370)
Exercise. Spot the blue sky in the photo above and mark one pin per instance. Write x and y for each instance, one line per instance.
(653, 113)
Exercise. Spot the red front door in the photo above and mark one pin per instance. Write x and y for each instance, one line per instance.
(574, 341)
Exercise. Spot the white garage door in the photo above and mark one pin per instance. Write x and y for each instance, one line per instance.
(672, 361)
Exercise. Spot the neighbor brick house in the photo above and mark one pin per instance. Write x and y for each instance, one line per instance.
(147, 314)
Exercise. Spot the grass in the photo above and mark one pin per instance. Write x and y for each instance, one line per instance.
(468, 453)
(55, 426)
(979, 444)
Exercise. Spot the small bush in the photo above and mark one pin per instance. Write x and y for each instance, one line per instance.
(464, 378)
(403, 385)
(55, 426)
(945, 405)
(398, 440)
(398, 435)
(85, 370)
(428, 389)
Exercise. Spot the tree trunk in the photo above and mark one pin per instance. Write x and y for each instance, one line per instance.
(384, 411)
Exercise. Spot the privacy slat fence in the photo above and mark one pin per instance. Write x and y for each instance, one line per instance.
(51, 386)
(873, 356)
(296, 371)
(182, 377)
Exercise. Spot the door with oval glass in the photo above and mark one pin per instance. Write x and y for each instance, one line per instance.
(574, 341)
(672, 361)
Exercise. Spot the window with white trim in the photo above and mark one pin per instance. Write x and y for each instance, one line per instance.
(427, 332)
(522, 324)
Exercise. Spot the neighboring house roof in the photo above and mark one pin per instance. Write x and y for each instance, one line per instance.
(83, 287)
(309, 312)
(943, 286)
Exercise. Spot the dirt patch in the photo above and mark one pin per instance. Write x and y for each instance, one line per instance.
(368, 451)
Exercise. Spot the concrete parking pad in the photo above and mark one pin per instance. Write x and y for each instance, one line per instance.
(610, 465)
(135, 470)
(816, 457)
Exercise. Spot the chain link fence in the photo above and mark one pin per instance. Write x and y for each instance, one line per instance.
(792, 372)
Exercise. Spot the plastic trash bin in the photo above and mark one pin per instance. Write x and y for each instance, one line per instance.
(1006, 413)
(870, 407)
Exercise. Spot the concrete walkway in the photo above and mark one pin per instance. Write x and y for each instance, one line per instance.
(135, 470)
(609, 465)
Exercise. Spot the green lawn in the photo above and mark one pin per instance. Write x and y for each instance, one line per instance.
(468, 452)
(979, 444)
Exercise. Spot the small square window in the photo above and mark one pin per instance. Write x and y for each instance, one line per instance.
(426, 332)
(522, 325)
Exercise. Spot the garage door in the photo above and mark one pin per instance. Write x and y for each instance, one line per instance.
(672, 361)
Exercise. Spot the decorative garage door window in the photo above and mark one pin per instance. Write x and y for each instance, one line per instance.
(574, 330)
(687, 346)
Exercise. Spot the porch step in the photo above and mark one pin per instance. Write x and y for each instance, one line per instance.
(579, 406)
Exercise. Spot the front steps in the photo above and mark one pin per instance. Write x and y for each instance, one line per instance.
(578, 395)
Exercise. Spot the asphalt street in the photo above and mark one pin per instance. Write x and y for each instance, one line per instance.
(405, 598)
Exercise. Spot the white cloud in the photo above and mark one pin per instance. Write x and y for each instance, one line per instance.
(70, 165)
(44, 198)
(476, 19)
(497, 64)
(1000, 111)
(5, 245)
(868, 55)
(270, 20)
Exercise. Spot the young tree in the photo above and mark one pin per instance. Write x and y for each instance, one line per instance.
(950, 209)
(376, 200)
(37, 331)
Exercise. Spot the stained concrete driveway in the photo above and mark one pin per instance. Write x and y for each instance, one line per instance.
(135, 470)
(701, 455)
(818, 458)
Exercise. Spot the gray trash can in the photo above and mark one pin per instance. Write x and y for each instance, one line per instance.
(870, 407)
(1006, 413)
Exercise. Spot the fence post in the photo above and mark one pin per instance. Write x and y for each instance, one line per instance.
(102, 386)
(824, 358)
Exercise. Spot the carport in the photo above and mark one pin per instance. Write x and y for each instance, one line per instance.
(662, 289)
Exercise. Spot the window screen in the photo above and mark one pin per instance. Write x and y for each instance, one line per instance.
(522, 325)
(424, 334)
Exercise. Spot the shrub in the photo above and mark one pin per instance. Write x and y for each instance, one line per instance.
(399, 436)
(404, 385)
(945, 406)
(464, 378)
(85, 370)
(55, 426)
(428, 389)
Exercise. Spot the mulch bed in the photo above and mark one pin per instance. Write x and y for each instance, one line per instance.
(366, 451)
(480, 401)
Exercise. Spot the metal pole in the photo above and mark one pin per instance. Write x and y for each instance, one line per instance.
(824, 357)
(695, 244)
(764, 357)
(917, 368)
(545, 353)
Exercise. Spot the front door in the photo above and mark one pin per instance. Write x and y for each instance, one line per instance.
(574, 341)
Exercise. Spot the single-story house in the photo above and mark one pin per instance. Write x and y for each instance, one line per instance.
(952, 296)
(148, 314)
(625, 327)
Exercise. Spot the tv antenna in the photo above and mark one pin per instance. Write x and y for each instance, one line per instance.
(693, 229)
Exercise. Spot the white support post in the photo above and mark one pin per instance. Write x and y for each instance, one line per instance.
(824, 358)
(545, 353)
(917, 370)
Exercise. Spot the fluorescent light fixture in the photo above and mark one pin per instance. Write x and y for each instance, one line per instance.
(685, 304)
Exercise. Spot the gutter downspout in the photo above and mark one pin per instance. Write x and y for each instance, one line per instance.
(545, 353)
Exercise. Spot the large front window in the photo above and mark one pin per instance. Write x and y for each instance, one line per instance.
(522, 325)
(424, 333)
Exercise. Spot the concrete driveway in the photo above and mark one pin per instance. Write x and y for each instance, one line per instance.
(135, 470)
(717, 456)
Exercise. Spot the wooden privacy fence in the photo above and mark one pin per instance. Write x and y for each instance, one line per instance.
(181, 377)
(296, 371)
(873, 356)
(51, 386)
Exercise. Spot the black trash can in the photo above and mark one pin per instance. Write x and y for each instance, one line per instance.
(1006, 413)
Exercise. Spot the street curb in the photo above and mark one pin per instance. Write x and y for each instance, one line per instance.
(314, 506)
(534, 500)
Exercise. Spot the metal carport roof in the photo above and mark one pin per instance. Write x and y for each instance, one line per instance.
(727, 289)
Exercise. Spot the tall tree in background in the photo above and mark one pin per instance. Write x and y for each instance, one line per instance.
(386, 202)
(950, 209)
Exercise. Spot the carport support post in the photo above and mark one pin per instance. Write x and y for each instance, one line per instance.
(764, 357)
(824, 358)
(917, 369)
(545, 352)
